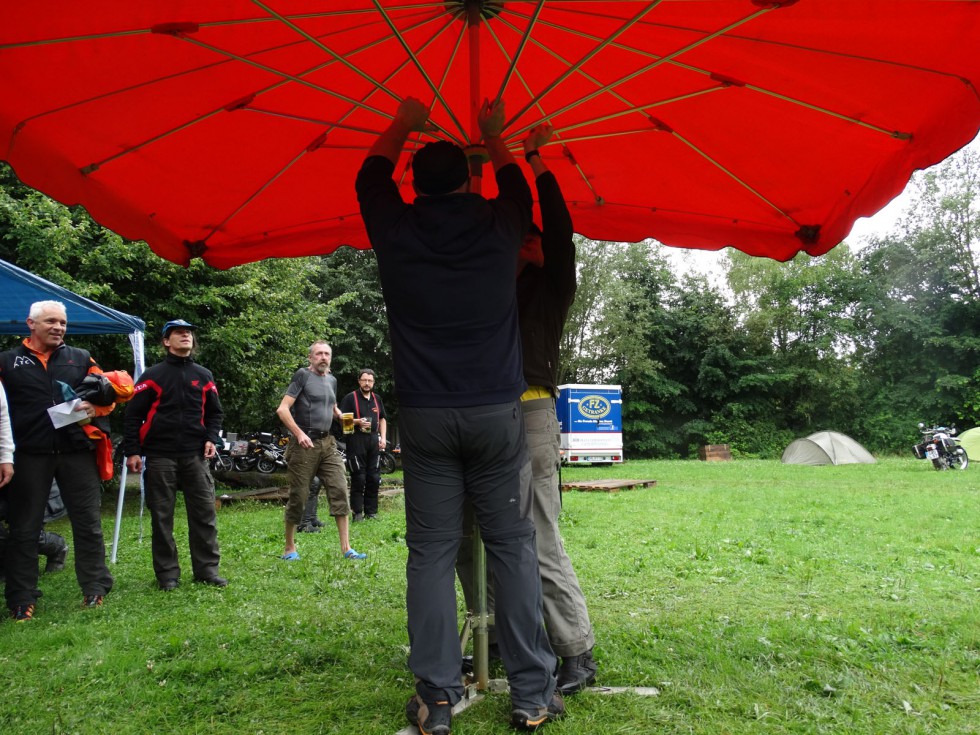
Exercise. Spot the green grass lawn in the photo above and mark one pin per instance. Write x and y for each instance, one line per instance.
(756, 597)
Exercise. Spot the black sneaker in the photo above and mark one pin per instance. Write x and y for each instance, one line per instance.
(93, 600)
(576, 673)
(22, 613)
(169, 585)
(524, 719)
(307, 528)
(214, 581)
(430, 719)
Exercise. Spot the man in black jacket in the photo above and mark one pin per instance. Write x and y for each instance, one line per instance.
(38, 374)
(174, 421)
(545, 291)
(447, 263)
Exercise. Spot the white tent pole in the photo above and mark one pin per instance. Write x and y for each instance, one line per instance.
(119, 510)
(136, 340)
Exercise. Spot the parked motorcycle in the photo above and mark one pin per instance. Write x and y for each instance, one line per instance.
(245, 453)
(273, 457)
(940, 445)
(262, 452)
(222, 460)
(389, 460)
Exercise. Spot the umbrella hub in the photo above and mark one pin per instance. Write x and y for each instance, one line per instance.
(460, 9)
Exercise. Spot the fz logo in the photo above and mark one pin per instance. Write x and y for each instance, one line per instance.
(595, 407)
(22, 361)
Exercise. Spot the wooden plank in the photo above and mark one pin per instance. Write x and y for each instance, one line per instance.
(276, 494)
(607, 486)
(280, 494)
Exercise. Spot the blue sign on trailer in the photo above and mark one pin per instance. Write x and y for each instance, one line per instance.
(591, 420)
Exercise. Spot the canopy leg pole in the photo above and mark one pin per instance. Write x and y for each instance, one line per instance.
(119, 511)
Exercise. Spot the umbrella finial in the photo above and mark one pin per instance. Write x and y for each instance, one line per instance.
(487, 8)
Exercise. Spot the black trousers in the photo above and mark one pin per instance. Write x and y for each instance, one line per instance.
(363, 455)
(164, 477)
(81, 491)
(480, 454)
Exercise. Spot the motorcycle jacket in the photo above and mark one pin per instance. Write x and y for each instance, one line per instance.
(175, 409)
(32, 387)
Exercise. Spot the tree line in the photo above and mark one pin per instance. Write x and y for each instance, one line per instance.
(866, 342)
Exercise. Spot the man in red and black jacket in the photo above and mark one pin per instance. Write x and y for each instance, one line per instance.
(38, 374)
(174, 421)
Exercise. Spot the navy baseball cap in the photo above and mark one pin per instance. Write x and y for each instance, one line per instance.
(177, 323)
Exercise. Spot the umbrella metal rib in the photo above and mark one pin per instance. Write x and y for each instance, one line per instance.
(682, 65)
(520, 77)
(590, 55)
(419, 66)
(525, 37)
(323, 47)
(321, 140)
(671, 59)
(244, 104)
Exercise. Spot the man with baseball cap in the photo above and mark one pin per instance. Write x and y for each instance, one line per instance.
(172, 425)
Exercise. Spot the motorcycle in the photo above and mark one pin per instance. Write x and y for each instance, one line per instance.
(245, 453)
(262, 452)
(389, 460)
(222, 460)
(272, 458)
(940, 446)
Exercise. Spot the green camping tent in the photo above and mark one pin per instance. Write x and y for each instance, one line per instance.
(970, 441)
(826, 447)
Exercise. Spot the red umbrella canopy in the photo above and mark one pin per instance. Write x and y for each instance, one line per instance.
(232, 130)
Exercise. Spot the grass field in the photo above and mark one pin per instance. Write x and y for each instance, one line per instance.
(755, 597)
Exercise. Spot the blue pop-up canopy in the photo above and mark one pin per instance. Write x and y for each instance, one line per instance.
(19, 289)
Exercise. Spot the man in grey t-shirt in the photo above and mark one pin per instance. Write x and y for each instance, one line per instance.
(307, 410)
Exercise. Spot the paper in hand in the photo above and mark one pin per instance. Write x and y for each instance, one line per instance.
(64, 414)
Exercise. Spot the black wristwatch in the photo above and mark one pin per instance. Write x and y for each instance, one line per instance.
(531, 154)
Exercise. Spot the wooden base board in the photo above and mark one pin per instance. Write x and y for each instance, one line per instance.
(607, 486)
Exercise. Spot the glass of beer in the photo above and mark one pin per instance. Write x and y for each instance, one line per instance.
(347, 422)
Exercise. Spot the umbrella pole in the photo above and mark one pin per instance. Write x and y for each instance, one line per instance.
(477, 155)
(475, 151)
(479, 615)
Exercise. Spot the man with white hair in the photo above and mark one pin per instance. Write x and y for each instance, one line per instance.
(37, 374)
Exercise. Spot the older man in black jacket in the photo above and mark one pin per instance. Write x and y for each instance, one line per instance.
(37, 374)
(447, 263)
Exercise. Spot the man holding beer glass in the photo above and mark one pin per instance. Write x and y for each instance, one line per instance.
(307, 410)
(364, 445)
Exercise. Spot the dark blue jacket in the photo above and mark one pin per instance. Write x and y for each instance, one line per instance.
(447, 265)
